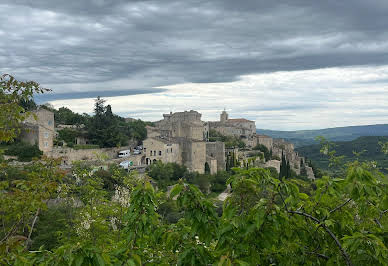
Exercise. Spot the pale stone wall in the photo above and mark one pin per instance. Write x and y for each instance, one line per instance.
(282, 144)
(70, 155)
(212, 165)
(265, 140)
(273, 163)
(193, 154)
(152, 132)
(310, 172)
(197, 157)
(216, 150)
(39, 129)
(159, 149)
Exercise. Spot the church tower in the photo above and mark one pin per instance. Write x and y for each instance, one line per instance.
(224, 116)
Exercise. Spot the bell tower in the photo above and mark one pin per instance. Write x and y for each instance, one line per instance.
(224, 116)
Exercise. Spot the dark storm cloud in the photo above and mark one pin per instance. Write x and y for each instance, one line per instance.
(158, 43)
(43, 98)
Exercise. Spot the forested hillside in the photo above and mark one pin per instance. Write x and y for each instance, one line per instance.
(307, 137)
(363, 148)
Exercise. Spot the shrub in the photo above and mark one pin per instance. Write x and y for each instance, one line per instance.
(24, 151)
(85, 147)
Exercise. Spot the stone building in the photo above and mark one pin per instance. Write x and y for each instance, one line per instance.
(240, 128)
(156, 148)
(265, 140)
(38, 128)
(185, 124)
(182, 138)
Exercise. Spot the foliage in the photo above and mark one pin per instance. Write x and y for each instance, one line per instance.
(230, 141)
(363, 149)
(264, 149)
(68, 135)
(137, 130)
(109, 130)
(166, 174)
(12, 93)
(24, 151)
(66, 116)
(85, 146)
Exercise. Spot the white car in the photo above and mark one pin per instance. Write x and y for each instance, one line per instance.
(126, 164)
(125, 153)
(136, 152)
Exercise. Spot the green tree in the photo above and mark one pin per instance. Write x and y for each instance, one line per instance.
(12, 94)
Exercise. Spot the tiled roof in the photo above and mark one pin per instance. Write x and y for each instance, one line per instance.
(239, 120)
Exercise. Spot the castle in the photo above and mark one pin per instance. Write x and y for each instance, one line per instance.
(182, 138)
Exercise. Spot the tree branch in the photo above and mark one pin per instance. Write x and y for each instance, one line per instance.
(323, 256)
(343, 251)
(32, 228)
(340, 206)
(11, 231)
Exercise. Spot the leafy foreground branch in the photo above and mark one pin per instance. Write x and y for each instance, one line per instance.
(263, 221)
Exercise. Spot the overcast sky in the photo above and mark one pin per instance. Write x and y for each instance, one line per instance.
(285, 64)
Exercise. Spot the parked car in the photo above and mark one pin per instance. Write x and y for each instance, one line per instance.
(125, 153)
(136, 152)
(140, 147)
(126, 164)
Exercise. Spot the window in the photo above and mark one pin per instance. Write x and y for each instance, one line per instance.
(46, 144)
(160, 152)
(167, 151)
(150, 153)
(171, 149)
(154, 153)
(50, 122)
(46, 135)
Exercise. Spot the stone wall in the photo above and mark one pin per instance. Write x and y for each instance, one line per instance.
(216, 150)
(159, 149)
(39, 129)
(273, 163)
(193, 155)
(265, 140)
(70, 155)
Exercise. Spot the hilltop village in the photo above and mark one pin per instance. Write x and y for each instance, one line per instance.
(181, 138)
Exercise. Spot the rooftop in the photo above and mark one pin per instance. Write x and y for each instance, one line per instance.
(239, 120)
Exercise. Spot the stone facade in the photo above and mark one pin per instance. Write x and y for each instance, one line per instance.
(69, 155)
(187, 135)
(216, 151)
(167, 151)
(185, 124)
(240, 128)
(38, 128)
(265, 140)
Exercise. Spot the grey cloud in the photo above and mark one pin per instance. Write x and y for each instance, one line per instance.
(159, 43)
(43, 98)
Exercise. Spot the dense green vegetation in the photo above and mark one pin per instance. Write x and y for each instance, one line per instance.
(66, 116)
(111, 217)
(230, 141)
(363, 149)
(24, 151)
(264, 149)
(168, 174)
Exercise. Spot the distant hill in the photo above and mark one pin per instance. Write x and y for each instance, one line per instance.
(368, 144)
(307, 137)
